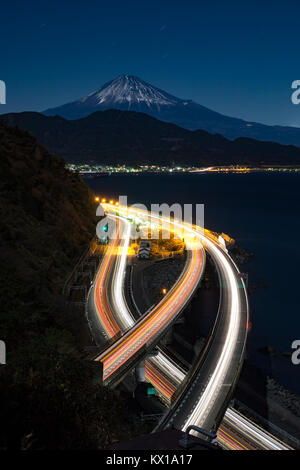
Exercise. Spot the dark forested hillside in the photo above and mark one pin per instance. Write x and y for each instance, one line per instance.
(127, 137)
(48, 395)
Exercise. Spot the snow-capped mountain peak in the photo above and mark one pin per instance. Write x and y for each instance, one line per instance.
(125, 93)
(129, 90)
(130, 93)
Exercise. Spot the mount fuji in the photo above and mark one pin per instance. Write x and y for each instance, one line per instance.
(126, 93)
(130, 93)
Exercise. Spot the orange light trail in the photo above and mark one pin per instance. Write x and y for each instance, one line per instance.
(160, 316)
(232, 440)
(101, 299)
(159, 381)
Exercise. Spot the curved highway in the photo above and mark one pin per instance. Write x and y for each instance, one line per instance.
(235, 432)
(144, 335)
(104, 307)
(207, 390)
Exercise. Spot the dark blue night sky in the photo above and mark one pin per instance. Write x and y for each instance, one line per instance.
(238, 58)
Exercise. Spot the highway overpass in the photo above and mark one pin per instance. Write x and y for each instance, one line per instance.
(144, 335)
(235, 431)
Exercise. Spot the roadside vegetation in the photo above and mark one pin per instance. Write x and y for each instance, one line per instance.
(50, 396)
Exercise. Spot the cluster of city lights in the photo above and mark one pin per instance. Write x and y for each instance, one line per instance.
(94, 169)
(87, 169)
(103, 200)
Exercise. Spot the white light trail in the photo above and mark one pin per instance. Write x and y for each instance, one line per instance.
(252, 430)
(170, 369)
(208, 396)
(125, 316)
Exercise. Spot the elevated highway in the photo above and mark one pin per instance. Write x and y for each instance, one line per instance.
(213, 379)
(145, 334)
(207, 389)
